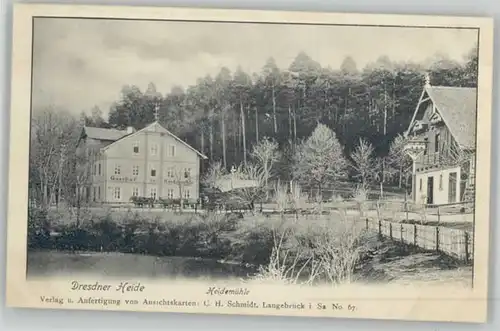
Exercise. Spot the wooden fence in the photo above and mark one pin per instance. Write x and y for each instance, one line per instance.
(453, 242)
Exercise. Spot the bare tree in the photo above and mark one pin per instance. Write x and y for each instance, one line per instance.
(398, 162)
(78, 178)
(266, 154)
(289, 263)
(182, 178)
(215, 173)
(52, 139)
(338, 248)
(364, 163)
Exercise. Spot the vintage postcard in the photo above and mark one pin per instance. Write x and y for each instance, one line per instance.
(250, 162)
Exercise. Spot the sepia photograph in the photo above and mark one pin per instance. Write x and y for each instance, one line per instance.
(317, 155)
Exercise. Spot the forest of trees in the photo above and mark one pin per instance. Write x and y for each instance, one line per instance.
(238, 119)
(224, 116)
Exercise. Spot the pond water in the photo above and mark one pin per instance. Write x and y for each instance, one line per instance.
(117, 265)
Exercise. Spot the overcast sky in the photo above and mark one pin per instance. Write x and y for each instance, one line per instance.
(81, 63)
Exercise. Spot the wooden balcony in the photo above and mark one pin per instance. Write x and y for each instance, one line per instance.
(429, 161)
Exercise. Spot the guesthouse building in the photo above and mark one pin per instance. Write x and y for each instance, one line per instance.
(151, 162)
(444, 124)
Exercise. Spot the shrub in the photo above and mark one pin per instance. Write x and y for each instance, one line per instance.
(319, 249)
(38, 229)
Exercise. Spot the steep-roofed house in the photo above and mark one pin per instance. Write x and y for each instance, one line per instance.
(151, 162)
(445, 120)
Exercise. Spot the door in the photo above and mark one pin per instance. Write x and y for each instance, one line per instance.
(430, 190)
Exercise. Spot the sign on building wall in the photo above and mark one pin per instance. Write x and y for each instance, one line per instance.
(123, 178)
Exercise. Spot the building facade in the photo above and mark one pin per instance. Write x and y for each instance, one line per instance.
(445, 122)
(151, 162)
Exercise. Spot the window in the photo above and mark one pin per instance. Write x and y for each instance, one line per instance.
(135, 170)
(426, 141)
(187, 193)
(136, 148)
(117, 193)
(441, 182)
(436, 143)
(170, 193)
(94, 169)
(118, 169)
(170, 173)
(187, 172)
(153, 192)
(99, 193)
(94, 196)
(153, 172)
(135, 192)
(171, 151)
(99, 169)
(420, 185)
(154, 149)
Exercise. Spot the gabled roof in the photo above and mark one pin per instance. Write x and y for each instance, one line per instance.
(458, 108)
(156, 126)
(104, 134)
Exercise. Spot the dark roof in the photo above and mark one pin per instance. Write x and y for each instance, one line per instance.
(458, 108)
(104, 134)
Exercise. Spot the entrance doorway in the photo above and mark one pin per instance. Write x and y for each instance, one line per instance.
(430, 190)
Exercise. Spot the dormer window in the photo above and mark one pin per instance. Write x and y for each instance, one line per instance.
(435, 118)
(419, 126)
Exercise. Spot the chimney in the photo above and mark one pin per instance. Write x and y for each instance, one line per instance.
(130, 129)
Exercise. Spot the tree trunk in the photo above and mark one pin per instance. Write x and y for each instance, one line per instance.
(382, 176)
(211, 138)
(400, 176)
(381, 190)
(202, 141)
(181, 199)
(237, 140)
(290, 124)
(59, 190)
(243, 131)
(45, 193)
(266, 179)
(274, 111)
(256, 126)
(78, 207)
(393, 101)
(223, 129)
(382, 179)
(294, 127)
